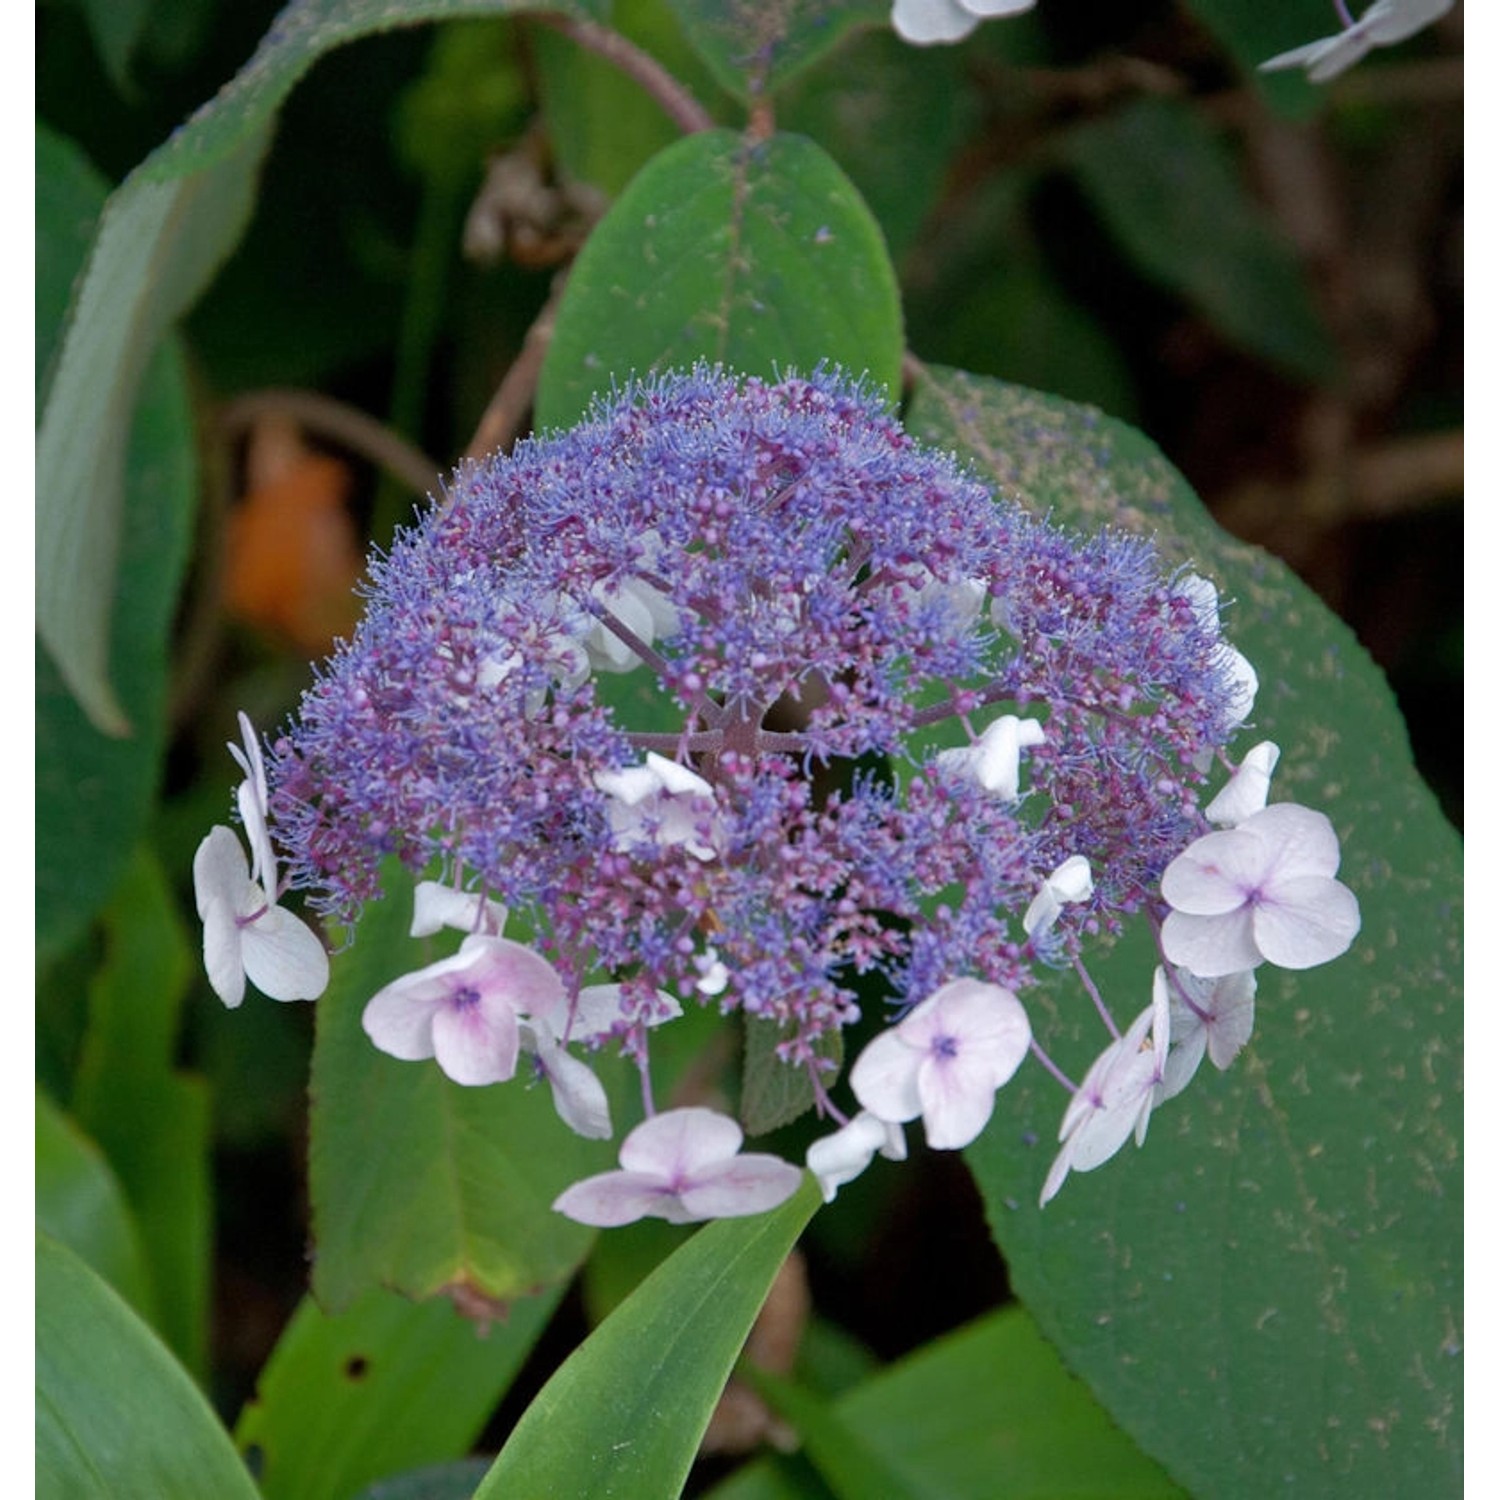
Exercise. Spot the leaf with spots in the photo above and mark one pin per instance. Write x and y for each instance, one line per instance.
(1268, 1296)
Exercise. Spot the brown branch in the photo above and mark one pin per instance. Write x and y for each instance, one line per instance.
(513, 398)
(670, 93)
(344, 425)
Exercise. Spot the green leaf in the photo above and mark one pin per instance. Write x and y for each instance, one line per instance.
(151, 1121)
(624, 1416)
(419, 1183)
(774, 1093)
(1255, 32)
(117, 27)
(94, 793)
(990, 1410)
(453, 1481)
(79, 1202)
(386, 1386)
(756, 254)
(753, 48)
(163, 233)
(115, 1414)
(1301, 1212)
(1169, 191)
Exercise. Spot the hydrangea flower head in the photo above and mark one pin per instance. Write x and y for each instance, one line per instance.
(737, 693)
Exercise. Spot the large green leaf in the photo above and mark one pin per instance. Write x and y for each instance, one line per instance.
(387, 1386)
(758, 254)
(115, 1414)
(419, 1183)
(753, 47)
(990, 1410)
(624, 1416)
(1268, 1297)
(94, 793)
(1169, 191)
(151, 1121)
(163, 233)
(79, 1202)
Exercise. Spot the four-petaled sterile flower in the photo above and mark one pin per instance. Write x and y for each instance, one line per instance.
(466, 1010)
(944, 1061)
(1114, 1099)
(1068, 884)
(1263, 891)
(1383, 25)
(246, 933)
(659, 803)
(927, 21)
(993, 761)
(1246, 791)
(842, 1156)
(682, 1166)
(1212, 1015)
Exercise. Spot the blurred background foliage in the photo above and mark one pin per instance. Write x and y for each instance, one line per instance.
(1099, 201)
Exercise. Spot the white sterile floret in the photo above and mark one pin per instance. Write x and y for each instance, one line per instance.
(1383, 25)
(1215, 1016)
(1263, 891)
(659, 803)
(436, 906)
(1071, 882)
(1245, 793)
(246, 934)
(643, 610)
(577, 1094)
(925, 22)
(682, 1166)
(252, 797)
(598, 1010)
(467, 1010)
(993, 761)
(842, 1156)
(945, 1061)
(1201, 593)
(1114, 1099)
(713, 975)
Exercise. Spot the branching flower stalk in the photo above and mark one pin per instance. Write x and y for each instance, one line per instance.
(738, 696)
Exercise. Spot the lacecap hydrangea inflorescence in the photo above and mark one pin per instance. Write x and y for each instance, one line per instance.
(739, 696)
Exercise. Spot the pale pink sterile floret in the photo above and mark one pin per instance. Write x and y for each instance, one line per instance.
(1383, 25)
(993, 761)
(1209, 1016)
(246, 934)
(683, 1165)
(925, 22)
(251, 797)
(1245, 793)
(839, 1158)
(1071, 882)
(661, 803)
(577, 1094)
(1261, 892)
(944, 1061)
(436, 906)
(466, 1010)
(1115, 1098)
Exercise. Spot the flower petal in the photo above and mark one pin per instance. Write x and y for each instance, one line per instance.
(476, 1044)
(220, 871)
(221, 952)
(681, 1143)
(884, 1078)
(1310, 921)
(1213, 874)
(283, 956)
(1211, 946)
(743, 1185)
(615, 1198)
(436, 906)
(1246, 791)
(577, 1094)
(958, 1098)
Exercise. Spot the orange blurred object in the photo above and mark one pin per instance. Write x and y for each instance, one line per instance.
(293, 553)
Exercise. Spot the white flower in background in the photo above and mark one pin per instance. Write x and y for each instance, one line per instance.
(436, 906)
(1070, 882)
(1383, 25)
(1245, 793)
(682, 1166)
(993, 761)
(927, 21)
(659, 803)
(1208, 1015)
(1114, 1099)
(842, 1156)
(1262, 891)
(466, 1011)
(944, 1061)
(643, 609)
(246, 934)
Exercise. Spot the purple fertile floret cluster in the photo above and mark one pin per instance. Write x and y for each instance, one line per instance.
(776, 589)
